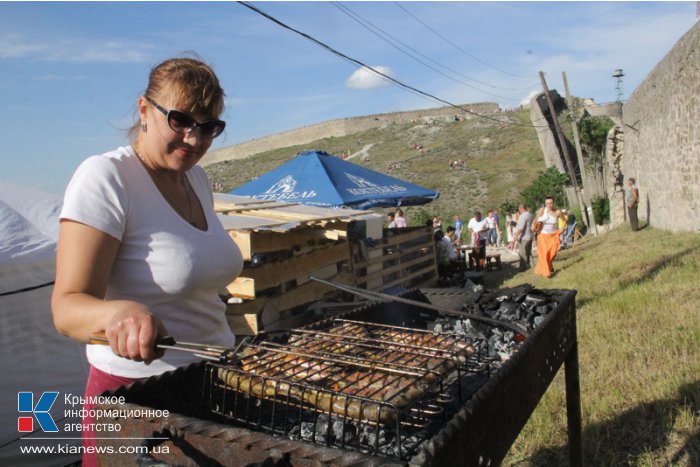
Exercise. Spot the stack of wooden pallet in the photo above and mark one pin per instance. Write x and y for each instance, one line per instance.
(401, 257)
(282, 244)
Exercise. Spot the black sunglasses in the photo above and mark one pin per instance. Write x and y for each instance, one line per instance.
(182, 123)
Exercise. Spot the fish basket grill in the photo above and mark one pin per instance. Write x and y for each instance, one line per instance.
(373, 388)
(474, 424)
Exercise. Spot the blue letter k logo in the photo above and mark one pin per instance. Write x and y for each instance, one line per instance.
(25, 403)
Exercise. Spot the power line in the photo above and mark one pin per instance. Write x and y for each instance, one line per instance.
(473, 57)
(383, 76)
(367, 25)
(379, 32)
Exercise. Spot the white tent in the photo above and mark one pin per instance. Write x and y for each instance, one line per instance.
(35, 357)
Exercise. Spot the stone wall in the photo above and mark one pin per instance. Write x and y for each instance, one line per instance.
(662, 138)
(337, 128)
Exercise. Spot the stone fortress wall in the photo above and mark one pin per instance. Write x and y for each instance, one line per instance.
(661, 126)
(337, 128)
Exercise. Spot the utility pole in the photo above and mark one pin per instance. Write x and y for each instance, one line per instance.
(562, 144)
(577, 142)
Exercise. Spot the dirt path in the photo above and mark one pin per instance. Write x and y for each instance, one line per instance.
(362, 152)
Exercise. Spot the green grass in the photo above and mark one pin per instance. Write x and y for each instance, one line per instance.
(638, 316)
(500, 160)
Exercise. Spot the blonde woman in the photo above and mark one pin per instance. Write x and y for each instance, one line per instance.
(141, 253)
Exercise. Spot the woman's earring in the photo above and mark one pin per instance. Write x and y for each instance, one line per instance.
(144, 127)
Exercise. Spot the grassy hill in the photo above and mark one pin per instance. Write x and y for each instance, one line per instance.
(639, 352)
(500, 160)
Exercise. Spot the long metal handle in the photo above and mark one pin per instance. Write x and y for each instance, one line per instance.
(208, 352)
(378, 296)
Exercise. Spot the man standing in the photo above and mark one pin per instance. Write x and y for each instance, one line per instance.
(632, 201)
(523, 234)
(497, 222)
(459, 226)
(478, 228)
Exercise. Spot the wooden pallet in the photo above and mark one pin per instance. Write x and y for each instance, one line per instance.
(282, 244)
(403, 257)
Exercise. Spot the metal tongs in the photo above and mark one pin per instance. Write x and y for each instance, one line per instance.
(214, 353)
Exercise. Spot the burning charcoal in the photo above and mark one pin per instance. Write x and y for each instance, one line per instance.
(472, 287)
(346, 435)
(438, 327)
(508, 310)
(504, 355)
(538, 320)
(307, 430)
(542, 309)
(369, 437)
(536, 299)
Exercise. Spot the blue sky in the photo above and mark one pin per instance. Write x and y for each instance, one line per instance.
(71, 73)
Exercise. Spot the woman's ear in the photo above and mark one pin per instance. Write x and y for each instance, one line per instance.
(143, 109)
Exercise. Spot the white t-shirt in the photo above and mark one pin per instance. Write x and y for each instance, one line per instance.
(451, 252)
(163, 262)
(478, 227)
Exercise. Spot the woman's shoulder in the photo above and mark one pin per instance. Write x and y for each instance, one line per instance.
(110, 161)
(111, 172)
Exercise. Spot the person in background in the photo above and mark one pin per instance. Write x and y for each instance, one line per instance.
(390, 220)
(491, 234)
(497, 221)
(459, 227)
(632, 202)
(400, 220)
(570, 228)
(447, 256)
(449, 238)
(437, 223)
(547, 237)
(523, 235)
(478, 228)
(141, 252)
(561, 225)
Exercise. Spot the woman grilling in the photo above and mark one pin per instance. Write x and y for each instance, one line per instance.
(547, 238)
(141, 253)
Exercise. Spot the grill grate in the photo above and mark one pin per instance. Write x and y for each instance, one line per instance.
(375, 388)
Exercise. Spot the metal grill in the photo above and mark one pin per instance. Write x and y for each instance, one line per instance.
(374, 388)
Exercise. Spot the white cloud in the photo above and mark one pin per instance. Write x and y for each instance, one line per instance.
(15, 46)
(364, 78)
(74, 50)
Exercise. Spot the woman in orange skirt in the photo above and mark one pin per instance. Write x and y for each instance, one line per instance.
(548, 237)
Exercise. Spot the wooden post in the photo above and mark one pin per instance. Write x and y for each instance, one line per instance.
(577, 144)
(562, 143)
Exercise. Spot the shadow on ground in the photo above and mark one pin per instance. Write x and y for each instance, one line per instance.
(625, 439)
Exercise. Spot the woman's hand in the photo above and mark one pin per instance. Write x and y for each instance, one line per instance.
(133, 330)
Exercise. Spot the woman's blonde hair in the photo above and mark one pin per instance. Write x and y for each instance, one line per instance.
(192, 83)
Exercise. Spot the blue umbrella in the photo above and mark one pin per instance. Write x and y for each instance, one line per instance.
(320, 179)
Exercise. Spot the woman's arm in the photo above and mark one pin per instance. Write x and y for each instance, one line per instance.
(83, 267)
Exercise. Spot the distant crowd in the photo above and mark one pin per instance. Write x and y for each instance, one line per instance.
(457, 248)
